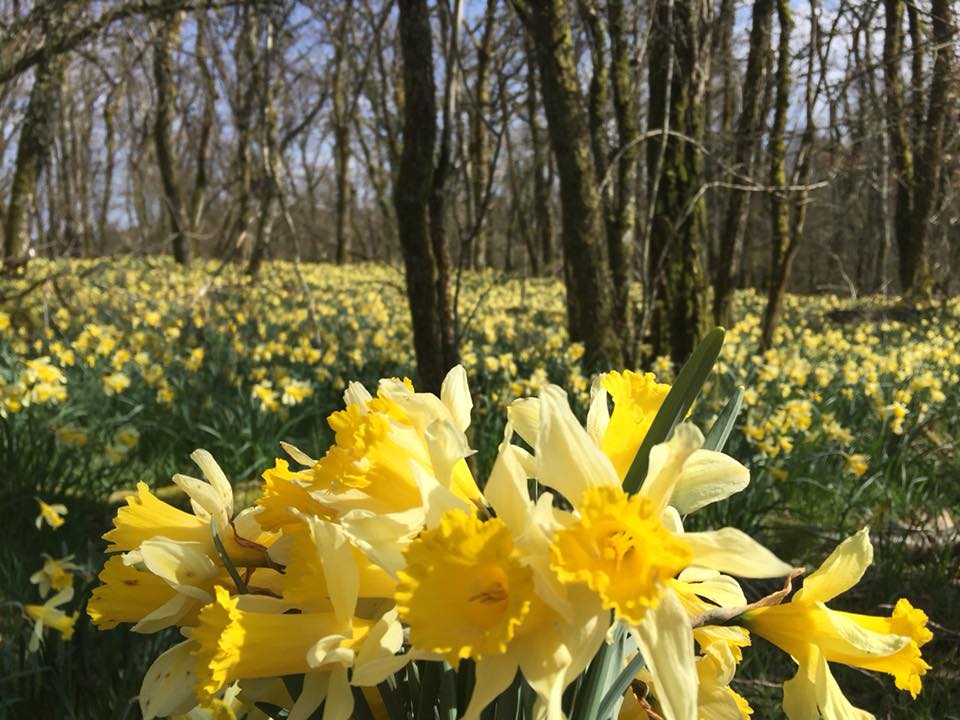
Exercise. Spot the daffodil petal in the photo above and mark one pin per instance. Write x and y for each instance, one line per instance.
(568, 460)
(666, 463)
(494, 675)
(314, 692)
(455, 395)
(524, 416)
(840, 571)
(506, 490)
(598, 414)
(732, 551)
(707, 477)
(215, 476)
(167, 687)
(665, 640)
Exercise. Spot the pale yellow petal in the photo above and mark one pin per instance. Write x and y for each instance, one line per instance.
(840, 571)
(168, 614)
(707, 477)
(382, 537)
(312, 694)
(206, 497)
(506, 490)
(436, 498)
(215, 476)
(356, 394)
(524, 416)
(494, 675)
(167, 687)
(665, 640)
(598, 414)
(568, 459)
(732, 551)
(298, 455)
(666, 463)
(339, 704)
(800, 693)
(455, 395)
(183, 565)
(447, 446)
(336, 557)
(833, 703)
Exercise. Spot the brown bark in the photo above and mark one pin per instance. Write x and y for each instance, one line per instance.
(539, 157)
(478, 148)
(747, 137)
(341, 134)
(928, 168)
(168, 36)
(33, 148)
(680, 311)
(590, 302)
(622, 214)
(899, 141)
(785, 240)
(414, 187)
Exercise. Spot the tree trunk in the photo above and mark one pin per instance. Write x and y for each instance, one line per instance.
(341, 134)
(899, 142)
(200, 178)
(540, 160)
(478, 149)
(623, 215)
(414, 187)
(33, 148)
(783, 243)
(752, 117)
(680, 311)
(589, 284)
(166, 42)
(927, 178)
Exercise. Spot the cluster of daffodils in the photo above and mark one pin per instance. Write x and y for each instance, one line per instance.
(54, 576)
(40, 382)
(360, 581)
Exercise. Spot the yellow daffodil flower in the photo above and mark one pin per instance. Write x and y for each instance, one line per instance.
(814, 635)
(49, 615)
(51, 514)
(55, 574)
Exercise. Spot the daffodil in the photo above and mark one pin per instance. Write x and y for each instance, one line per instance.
(815, 635)
(465, 590)
(50, 615)
(51, 514)
(636, 399)
(55, 574)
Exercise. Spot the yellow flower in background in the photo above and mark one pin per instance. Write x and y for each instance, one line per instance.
(115, 383)
(856, 464)
(55, 574)
(465, 590)
(50, 615)
(266, 395)
(814, 635)
(636, 400)
(51, 514)
(619, 548)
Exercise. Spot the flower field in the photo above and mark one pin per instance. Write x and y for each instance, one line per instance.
(112, 374)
